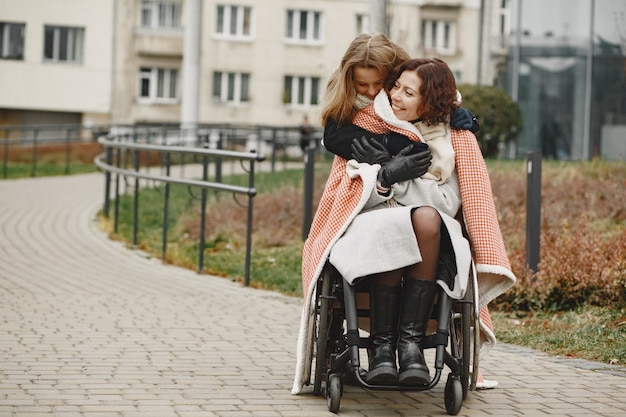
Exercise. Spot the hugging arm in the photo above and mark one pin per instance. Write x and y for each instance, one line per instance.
(465, 120)
(405, 166)
(338, 139)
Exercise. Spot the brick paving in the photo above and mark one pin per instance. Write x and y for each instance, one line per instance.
(89, 327)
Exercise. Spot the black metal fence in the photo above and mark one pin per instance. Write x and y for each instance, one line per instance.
(114, 163)
(31, 139)
(167, 154)
(281, 144)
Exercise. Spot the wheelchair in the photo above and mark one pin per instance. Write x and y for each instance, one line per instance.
(333, 356)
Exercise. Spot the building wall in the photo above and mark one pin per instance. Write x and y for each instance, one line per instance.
(33, 84)
(570, 86)
(259, 58)
(495, 35)
(104, 88)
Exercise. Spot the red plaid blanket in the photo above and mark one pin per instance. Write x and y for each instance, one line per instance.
(342, 194)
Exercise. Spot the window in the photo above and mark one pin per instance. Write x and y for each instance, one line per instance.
(301, 91)
(231, 87)
(12, 40)
(161, 14)
(158, 84)
(234, 22)
(362, 23)
(505, 23)
(446, 35)
(63, 44)
(304, 26)
(439, 36)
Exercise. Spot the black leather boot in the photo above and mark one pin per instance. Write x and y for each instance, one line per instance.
(384, 309)
(416, 308)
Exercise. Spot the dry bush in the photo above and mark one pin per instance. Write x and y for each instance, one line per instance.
(83, 151)
(53, 153)
(277, 220)
(583, 236)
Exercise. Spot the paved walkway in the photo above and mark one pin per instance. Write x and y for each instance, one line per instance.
(91, 328)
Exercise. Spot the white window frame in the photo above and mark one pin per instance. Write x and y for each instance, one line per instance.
(12, 40)
(230, 87)
(362, 23)
(161, 14)
(74, 43)
(299, 91)
(161, 82)
(439, 36)
(242, 28)
(505, 23)
(313, 22)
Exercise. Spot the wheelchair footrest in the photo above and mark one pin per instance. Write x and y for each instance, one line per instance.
(354, 339)
(437, 339)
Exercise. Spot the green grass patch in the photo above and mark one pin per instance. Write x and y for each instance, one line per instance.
(23, 161)
(592, 333)
(274, 268)
(25, 170)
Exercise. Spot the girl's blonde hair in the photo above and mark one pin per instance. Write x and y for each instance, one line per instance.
(373, 50)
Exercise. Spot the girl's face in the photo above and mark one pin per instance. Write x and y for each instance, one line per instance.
(405, 97)
(367, 81)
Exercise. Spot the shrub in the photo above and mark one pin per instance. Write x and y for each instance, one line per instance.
(53, 153)
(499, 117)
(583, 238)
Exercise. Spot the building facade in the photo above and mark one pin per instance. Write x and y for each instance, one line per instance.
(120, 62)
(56, 62)
(567, 72)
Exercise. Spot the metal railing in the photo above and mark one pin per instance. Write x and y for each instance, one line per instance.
(114, 163)
(29, 140)
(217, 146)
(280, 143)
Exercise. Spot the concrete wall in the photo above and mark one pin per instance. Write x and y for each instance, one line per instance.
(33, 84)
(104, 87)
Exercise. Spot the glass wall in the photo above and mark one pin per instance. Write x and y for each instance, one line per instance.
(567, 71)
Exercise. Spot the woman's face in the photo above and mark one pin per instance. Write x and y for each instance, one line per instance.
(367, 81)
(405, 97)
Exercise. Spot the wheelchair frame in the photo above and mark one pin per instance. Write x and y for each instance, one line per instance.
(336, 356)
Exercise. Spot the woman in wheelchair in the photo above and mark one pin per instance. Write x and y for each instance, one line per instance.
(401, 299)
(385, 217)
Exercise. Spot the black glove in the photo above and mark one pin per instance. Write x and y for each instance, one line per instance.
(370, 151)
(405, 166)
(464, 119)
(394, 142)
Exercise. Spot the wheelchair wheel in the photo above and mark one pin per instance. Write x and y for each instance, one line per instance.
(323, 324)
(333, 393)
(453, 395)
(475, 332)
(462, 338)
(466, 339)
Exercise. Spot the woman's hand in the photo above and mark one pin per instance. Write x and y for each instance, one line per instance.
(464, 119)
(370, 151)
(405, 166)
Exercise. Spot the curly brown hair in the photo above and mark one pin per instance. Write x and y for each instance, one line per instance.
(438, 89)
